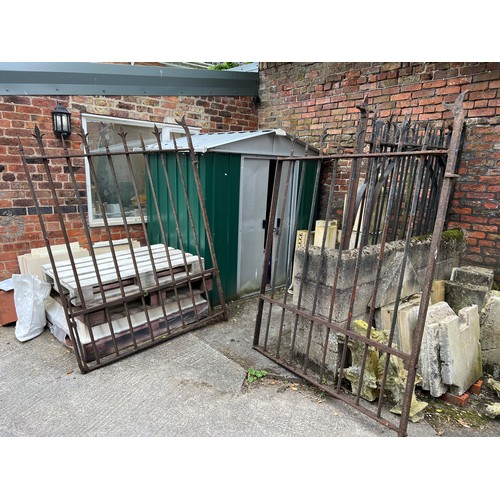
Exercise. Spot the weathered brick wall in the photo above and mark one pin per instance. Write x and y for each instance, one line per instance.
(302, 97)
(19, 226)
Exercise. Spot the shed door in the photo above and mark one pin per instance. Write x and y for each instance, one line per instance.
(253, 205)
(256, 184)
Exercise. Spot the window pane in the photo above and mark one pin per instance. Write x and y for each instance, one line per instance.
(111, 189)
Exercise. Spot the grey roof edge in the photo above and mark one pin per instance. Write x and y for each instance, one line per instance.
(82, 78)
(233, 137)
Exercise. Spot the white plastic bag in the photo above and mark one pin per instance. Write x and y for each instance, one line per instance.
(30, 294)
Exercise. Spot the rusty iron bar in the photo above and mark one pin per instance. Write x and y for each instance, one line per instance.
(279, 232)
(69, 320)
(322, 261)
(162, 230)
(333, 326)
(372, 196)
(267, 251)
(302, 170)
(380, 257)
(328, 390)
(353, 156)
(92, 255)
(191, 221)
(123, 136)
(371, 180)
(57, 208)
(334, 290)
(438, 181)
(206, 222)
(176, 219)
(409, 234)
(343, 244)
(129, 242)
(388, 177)
(356, 167)
(306, 252)
(97, 154)
(449, 177)
(93, 177)
(339, 156)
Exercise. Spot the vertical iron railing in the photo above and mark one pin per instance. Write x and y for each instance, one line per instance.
(120, 302)
(398, 189)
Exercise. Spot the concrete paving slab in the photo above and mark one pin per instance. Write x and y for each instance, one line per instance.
(193, 385)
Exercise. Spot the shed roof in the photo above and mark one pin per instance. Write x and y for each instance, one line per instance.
(269, 142)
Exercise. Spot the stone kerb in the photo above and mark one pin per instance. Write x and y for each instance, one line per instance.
(323, 268)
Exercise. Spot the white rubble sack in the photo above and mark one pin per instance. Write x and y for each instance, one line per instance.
(30, 294)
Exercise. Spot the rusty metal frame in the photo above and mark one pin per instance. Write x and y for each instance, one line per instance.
(413, 167)
(168, 282)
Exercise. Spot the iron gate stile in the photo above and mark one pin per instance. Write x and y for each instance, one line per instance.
(122, 301)
(399, 187)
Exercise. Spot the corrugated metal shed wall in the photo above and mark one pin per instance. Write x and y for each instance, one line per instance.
(220, 178)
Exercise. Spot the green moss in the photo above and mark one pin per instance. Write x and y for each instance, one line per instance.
(448, 235)
(422, 238)
(453, 234)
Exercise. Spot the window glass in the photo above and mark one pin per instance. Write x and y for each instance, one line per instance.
(115, 183)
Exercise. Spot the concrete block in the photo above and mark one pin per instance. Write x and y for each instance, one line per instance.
(331, 235)
(405, 322)
(317, 343)
(460, 295)
(322, 266)
(490, 332)
(474, 275)
(429, 362)
(460, 350)
(437, 291)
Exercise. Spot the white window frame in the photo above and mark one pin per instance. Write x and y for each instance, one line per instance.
(165, 128)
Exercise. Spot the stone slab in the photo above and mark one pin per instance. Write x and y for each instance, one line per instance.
(460, 295)
(490, 332)
(405, 322)
(460, 350)
(474, 275)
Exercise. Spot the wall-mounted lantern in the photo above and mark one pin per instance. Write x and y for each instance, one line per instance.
(61, 121)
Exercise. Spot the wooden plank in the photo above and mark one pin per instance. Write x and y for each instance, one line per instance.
(105, 346)
(86, 271)
(169, 300)
(126, 269)
(85, 265)
(124, 274)
(137, 318)
(105, 257)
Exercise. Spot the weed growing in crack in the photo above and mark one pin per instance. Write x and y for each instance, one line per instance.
(253, 375)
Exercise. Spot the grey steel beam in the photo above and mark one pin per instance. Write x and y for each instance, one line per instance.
(78, 78)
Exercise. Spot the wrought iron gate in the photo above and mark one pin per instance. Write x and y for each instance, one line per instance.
(122, 301)
(408, 174)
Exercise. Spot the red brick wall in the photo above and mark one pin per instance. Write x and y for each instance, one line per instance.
(302, 97)
(19, 226)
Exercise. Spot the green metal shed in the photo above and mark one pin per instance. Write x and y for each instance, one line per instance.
(237, 174)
